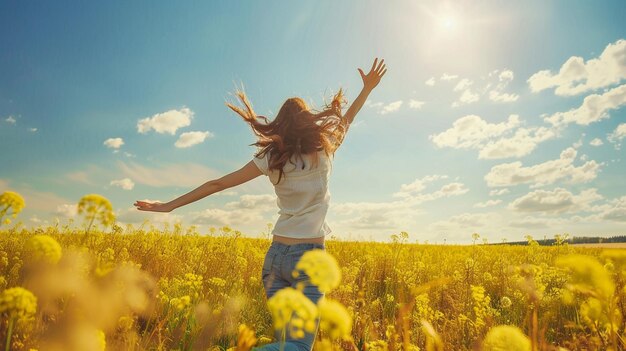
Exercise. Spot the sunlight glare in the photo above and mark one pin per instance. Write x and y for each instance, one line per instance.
(447, 22)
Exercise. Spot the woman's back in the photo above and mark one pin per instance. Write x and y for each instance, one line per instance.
(303, 196)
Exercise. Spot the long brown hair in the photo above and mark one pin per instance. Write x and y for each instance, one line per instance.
(295, 130)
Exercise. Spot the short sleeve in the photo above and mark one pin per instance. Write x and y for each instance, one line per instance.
(261, 163)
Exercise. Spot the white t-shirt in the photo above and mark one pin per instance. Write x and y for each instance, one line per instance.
(303, 195)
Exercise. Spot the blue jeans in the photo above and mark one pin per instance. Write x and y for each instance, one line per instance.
(279, 263)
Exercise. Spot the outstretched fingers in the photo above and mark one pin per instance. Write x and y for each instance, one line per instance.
(373, 65)
(143, 205)
(380, 67)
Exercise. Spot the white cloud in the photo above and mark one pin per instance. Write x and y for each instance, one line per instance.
(472, 131)
(413, 191)
(462, 226)
(492, 139)
(391, 107)
(10, 120)
(192, 138)
(615, 210)
(463, 84)
(497, 81)
(506, 75)
(498, 192)
(415, 104)
(126, 183)
(487, 203)
(558, 200)
(522, 143)
(497, 96)
(594, 108)
(430, 82)
(416, 187)
(67, 210)
(617, 135)
(178, 175)
(114, 143)
(166, 122)
(392, 215)
(249, 208)
(596, 142)
(577, 76)
(32, 129)
(508, 174)
(369, 103)
(467, 97)
(448, 77)
(264, 202)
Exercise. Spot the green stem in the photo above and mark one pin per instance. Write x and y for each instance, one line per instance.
(9, 332)
(90, 223)
(3, 212)
(283, 338)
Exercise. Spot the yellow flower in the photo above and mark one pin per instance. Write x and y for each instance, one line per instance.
(264, 340)
(506, 338)
(125, 323)
(246, 338)
(180, 303)
(96, 206)
(10, 200)
(290, 303)
(322, 268)
(18, 302)
(378, 345)
(44, 248)
(588, 274)
(591, 311)
(101, 340)
(334, 318)
(505, 302)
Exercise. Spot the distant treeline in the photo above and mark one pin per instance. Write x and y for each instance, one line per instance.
(573, 240)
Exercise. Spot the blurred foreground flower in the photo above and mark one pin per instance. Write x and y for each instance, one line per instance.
(246, 338)
(44, 248)
(289, 304)
(96, 206)
(588, 275)
(16, 303)
(506, 338)
(334, 319)
(13, 201)
(322, 268)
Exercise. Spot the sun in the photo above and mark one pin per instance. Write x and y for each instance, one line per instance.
(447, 22)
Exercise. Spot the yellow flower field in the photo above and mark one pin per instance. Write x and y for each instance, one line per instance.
(172, 289)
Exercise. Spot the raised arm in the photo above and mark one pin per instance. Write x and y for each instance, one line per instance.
(370, 81)
(240, 176)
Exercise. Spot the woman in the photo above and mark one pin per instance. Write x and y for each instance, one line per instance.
(295, 155)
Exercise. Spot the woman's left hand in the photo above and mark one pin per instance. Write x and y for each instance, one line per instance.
(153, 206)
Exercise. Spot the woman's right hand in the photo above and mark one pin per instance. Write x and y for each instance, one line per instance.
(371, 80)
(153, 206)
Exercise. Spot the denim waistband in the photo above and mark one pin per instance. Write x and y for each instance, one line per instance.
(285, 248)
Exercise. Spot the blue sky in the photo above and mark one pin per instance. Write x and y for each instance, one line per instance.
(504, 119)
